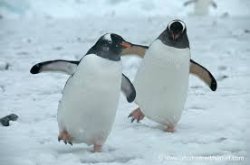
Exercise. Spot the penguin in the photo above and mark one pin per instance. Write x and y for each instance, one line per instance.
(201, 7)
(90, 97)
(161, 81)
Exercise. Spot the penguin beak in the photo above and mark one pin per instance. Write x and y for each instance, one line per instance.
(135, 49)
(175, 36)
(126, 45)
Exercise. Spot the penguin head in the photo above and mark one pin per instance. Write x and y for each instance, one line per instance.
(175, 35)
(115, 43)
(110, 46)
(176, 30)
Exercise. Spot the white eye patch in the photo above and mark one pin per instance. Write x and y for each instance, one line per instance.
(108, 37)
(183, 25)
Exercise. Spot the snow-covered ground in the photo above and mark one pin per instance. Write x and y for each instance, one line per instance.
(213, 123)
(112, 8)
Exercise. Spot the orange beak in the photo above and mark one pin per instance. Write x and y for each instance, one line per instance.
(125, 44)
(175, 36)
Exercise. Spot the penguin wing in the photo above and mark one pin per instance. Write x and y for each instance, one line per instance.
(189, 2)
(203, 74)
(64, 66)
(128, 89)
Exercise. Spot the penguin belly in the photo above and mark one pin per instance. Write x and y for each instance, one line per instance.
(90, 99)
(202, 7)
(161, 83)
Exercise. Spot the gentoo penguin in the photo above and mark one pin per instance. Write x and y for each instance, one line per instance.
(201, 7)
(162, 79)
(90, 97)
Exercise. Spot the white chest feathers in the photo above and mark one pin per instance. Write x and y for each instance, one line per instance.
(161, 82)
(90, 99)
(202, 7)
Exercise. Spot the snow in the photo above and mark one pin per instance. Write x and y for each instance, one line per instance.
(213, 123)
(112, 8)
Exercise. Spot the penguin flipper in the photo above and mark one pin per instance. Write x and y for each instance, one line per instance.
(189, 2)
(64, 66)
(128, 89)
(203, 74)
(214, 4)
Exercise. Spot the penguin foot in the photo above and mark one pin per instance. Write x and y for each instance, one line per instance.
(64, 135)
(170, 129)
(97, 148)
(137, 115)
